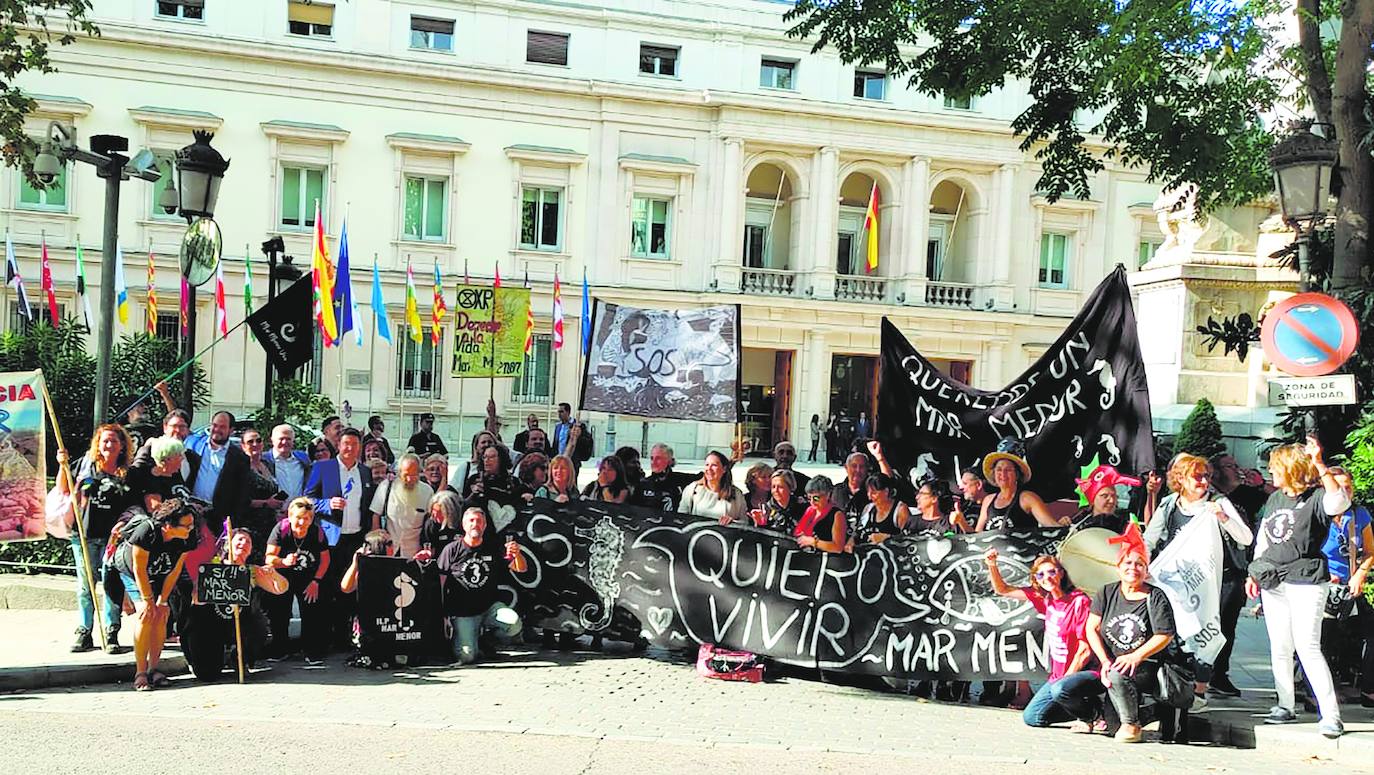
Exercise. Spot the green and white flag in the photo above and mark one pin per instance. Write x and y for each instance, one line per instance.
(81, 288)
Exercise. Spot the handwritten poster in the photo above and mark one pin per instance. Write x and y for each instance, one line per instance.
(489, 343)
(22, 456)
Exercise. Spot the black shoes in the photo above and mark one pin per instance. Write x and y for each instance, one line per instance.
(83, 641)
(1222, 687)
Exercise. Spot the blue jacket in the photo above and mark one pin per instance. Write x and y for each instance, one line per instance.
(324, 483)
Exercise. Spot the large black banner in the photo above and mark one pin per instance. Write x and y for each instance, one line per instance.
(1085, 397)
(284, 329)
(399, 609)
(907, 608)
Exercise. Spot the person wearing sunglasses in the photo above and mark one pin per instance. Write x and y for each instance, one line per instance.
(1073, 690)
(823, 526)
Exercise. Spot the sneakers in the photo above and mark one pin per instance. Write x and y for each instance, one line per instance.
(1222, 687)
(1199, 702)
(313, 661)
(1331, 728)
(1280, 715)
(83, 641)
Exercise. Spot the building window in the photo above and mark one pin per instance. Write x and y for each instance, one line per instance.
(649, 227)
(168, 327)
(424, 215)
(312, 373)
(541, 218)
(1146, 251)
(844, 252)
(310, 18)
(958, 103)
(432, 34)
(41, 314)
(301, 188)
(1054, 260)
(870, 84)
(778, 74)
(546, 48)
(54, 197)
(168, 170)
(181, 9)
(418, 365)
(533, 385)
(657, 60)
(755, 246)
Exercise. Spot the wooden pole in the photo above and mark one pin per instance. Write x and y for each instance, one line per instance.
(238, 627)
(66, 474)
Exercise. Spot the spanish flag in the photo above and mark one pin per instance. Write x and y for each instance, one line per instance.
(322, 284)
(412, 307)
(871, 227)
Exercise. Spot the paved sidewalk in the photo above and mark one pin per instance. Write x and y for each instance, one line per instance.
(35, 653)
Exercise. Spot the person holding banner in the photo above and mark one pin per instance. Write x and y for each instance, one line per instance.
(210, 626)
(662, 488)
(297, 548)
(783, 510)
(102, 495)
(562, 483)
(1099, 488)
(150, 559)
(823, 526)
(1012, 507)
(442, 527)
(1189, 478)
(930, 515)
(1288, 574)
(886, 517)
(713, 495)
(469, 567)
(610, 485)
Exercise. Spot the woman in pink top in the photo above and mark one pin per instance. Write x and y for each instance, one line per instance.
(1072, 690)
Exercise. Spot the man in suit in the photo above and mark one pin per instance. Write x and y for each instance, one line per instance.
(342, 488)
(289, 466)
(523, 437)
(221, 475)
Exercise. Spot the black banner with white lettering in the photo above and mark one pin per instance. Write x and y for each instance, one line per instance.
(906, 608)
(1085, 397)
(284, 329)
(399, 610)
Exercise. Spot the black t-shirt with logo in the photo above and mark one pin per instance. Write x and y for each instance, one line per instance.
(436, 537)
(472, 575)
(162, 553)
(1127, 624)
(662, 491)
(851, 503)
(143, 482)
(1295, 529)
(107, 496)
(309, 551)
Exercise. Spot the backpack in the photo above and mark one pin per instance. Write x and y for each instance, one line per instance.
(728, 665)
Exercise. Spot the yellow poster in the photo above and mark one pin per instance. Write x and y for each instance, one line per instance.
(489, 342)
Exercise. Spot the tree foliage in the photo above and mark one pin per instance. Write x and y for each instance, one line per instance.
(294, 403)
(28, 29)
(1201, 432)
(1172, 88)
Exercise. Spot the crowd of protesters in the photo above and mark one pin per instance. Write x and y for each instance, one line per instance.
(301, 513)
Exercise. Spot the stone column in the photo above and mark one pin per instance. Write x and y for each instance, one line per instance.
(1001, 289)
(824, 213)
(916, 175)
(816, 367)
(727, 263)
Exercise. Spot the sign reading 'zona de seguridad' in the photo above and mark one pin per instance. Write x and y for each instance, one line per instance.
(1331, 390)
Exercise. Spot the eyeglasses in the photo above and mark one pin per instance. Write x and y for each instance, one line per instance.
(815, 498)
(253, 442)
(1047, 573)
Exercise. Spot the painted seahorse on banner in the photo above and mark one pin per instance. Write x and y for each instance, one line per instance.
(603, 563)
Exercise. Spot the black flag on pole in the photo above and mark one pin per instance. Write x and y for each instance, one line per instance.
(284, 329)
(1085, 397)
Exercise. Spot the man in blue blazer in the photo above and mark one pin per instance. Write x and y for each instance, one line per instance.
(289, 466)
(342, 490)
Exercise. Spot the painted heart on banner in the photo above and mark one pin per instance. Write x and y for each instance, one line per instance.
(660, 619)
(938, 549)
(500, 515)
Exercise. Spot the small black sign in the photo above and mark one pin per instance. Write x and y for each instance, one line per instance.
(225, 584)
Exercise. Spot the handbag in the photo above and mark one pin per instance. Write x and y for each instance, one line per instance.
(1175, 685)
(57, 509)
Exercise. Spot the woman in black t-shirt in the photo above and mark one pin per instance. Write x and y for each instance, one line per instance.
(1129, 623)
(101, 496)
(149, 560)
(783, 511)
(297, 549)
(157, 477)
(210, 626)
(1288, 574)
(443, 525)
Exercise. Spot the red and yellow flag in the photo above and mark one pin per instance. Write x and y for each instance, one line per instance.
(322, 284)
(871, 227)
(152, 296)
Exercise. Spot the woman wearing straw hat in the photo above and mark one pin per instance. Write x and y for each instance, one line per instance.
(1012, 507)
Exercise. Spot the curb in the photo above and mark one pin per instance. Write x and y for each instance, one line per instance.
(54, 676)
(1252, 733)
(38, 592)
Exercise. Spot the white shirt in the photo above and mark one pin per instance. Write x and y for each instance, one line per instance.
(351, 483)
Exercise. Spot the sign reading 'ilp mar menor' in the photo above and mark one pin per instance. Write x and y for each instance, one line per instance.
(1330, 390)
(487, 342)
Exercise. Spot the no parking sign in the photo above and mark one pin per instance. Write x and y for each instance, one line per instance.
(1309, 335)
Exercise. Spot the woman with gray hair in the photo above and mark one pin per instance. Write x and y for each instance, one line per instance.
(823, 526)
(157, 476)
(443, 526)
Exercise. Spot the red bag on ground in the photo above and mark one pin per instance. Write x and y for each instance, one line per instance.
(727, 665)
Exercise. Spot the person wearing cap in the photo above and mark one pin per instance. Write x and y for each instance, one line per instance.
(426, 442)
(1192, 495)
(1099, 491)
(1012, 506)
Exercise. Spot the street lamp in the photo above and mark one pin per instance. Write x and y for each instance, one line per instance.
(107, 156)
(200, 170)
(1305, 166)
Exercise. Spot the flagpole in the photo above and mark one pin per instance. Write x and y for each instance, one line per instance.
(243, 361)
(491, 383)
(214, 341)
(372, 348)
(462, 379)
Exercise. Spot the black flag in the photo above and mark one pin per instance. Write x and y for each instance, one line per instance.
(283, 327)
(1085, 397)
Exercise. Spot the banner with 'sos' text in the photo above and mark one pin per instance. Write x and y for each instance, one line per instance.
(489, 331)
(905, 608)
(23, 478)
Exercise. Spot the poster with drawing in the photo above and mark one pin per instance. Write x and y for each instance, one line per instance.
(399, 610)
(906, 608)
(23, 481)
(1085, 397)
(489, 331)
(674, 364)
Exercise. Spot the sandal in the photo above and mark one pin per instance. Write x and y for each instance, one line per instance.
(141, 682)
(158, 678)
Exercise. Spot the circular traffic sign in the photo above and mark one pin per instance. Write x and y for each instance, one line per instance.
(1309, 335)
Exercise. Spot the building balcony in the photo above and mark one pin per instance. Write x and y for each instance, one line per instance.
(850, 287)
(768, 282)
(956, 295)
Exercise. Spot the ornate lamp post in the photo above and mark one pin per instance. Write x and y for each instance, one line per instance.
(1304, 165)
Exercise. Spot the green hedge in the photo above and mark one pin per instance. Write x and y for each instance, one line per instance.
(48, 552)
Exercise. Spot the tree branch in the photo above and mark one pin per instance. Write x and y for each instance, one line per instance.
(1318, 80)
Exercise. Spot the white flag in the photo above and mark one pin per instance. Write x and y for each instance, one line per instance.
(1189, 572)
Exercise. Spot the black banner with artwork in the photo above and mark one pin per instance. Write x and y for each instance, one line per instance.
(907, 608)
(400, 614)
(1085, 397)
(284, 329)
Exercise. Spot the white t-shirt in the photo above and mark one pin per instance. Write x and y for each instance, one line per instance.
(403, 513)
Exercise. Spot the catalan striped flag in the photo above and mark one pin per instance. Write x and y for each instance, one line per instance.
(437, 315)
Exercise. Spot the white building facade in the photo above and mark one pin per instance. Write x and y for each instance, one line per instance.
(679, 154)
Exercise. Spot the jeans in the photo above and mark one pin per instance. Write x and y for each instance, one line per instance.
(1073, 696)
(85, 606)
(1125, 690)
(466, 630)
(1293, 617)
